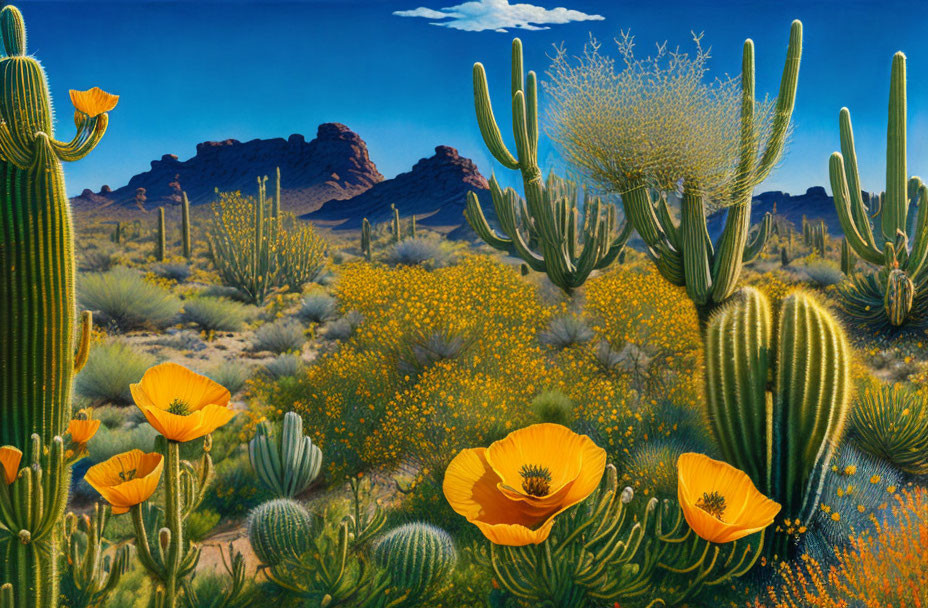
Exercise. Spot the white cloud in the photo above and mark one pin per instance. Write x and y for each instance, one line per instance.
(498, 15)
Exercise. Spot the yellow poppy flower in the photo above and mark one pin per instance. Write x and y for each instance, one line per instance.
(126, 479)
(720, 502)
(182, 405)
(83, 427)
(10, 458)
(513, 489)
(93, 102)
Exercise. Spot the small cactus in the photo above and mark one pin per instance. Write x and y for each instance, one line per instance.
(288, 464)
(899, 297)
(847, 258)
(279, 529)
(418, 557)
(160, 242)
(397, 235)
(185, 226)
(366, 239)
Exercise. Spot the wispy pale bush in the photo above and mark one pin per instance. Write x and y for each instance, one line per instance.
(286, 365)
(427, 252)
(109, 442)
(110, 369)
(280, 336)
(317, 307)
(342, 329)
(823, 273)
(174, 271)
(565, 331)
(215, 314)
(123, 298)
(231, 374)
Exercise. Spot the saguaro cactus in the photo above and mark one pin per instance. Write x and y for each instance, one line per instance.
(185, 226)
(569, 248)
(37, 312)
(397, 235)
(366, 239)
(783, 436)
(160, 238)
(683, 253)
(847, 258)
(898, 243)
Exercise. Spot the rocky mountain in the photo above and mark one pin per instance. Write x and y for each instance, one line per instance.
(333, 166)
(435, 191)
(814, 204)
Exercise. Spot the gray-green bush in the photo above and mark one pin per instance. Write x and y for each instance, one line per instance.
(280, 336)
(217, 314)
(122, 298)
(110, 369)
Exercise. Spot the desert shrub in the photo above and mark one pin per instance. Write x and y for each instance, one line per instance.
(287, 254)
(553, 406)
(286, 365)
(110, 416)
(425, 349)
(651, 468)
(121, 297)
(97, 259)
(566, 331)
(201, 522)
(111, 367)
(234, 491)
(109, 442)
(427, 252)
(224, 291)
(185, 340)
(280, 336)
(231, 374)
(173, 271)
(317, 308)
(215, 314)
(343, 328)
(891, 422)
(823, 273)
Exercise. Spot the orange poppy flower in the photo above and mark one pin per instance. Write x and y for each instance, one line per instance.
(126, 479)
(10, 458)
(720, 502)
(513, 489)
(83, 427)
(182, 405)
(93, 102)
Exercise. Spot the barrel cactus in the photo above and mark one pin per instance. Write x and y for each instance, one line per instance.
(288, 464)
(37, 311)
(899, 296)
(782, 435)
(418, 557)
(279, 529)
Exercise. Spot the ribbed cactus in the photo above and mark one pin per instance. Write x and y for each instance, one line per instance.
(847, 258)
(545, 229)
(418, 557)
(288, 464)
(818, 233)
(160, 238)
(185, 226)
(37, 312)
(683, 253)
(275, 202)
(116, 237)
(91, 574)
(366, 239)
(898, 242)
(782, 435)
(279, 529)
(899, 296)
(396, 230)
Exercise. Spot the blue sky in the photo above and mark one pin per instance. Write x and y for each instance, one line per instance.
(193, 71)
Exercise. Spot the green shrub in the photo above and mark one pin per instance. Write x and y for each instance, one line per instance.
(280, 336)
(111, 416)
(427, 252)
(215, 314)
(891, 422)
(109, 442)
(174, 271)
(318, 307)
(422, 350)
(98, 259)
(110, 369)
(231, 374)
(823, 273)
(235, 490)
(566, 331)
(553, 406)
(201, 522)
(122, 298)
(285, 366)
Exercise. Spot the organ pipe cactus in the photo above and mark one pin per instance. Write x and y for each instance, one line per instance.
(568, 248)
(897, 242)
(288, 464)
(160, 238)
(783, 434)
(37, 312)
(684, 253)
(185, 226)
(366, 239)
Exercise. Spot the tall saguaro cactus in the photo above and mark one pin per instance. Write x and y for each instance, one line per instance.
(783, 436)
(568, 248)
(160, 236)
(185, 226)
(37, 313)
(683, 253)
(897, 244)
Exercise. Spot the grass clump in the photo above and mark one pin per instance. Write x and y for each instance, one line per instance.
(231, 374)
(110, 369)
(427, 252)
(215, 314)
(318, 308)
(123, 299)
(280, 336)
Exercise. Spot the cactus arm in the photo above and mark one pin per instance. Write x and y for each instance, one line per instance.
(640, 212)
(473, 212)
(839, 189)
(89, 134)
(895, 207)
(756, 245)
(919, 254)
(786, 100)
(11, 150)
(696, 253)
(83, 345)
(487, 122)
(531, 112)
(618, 244)
(506, 209)
(524, 147)
(665, 220)
(852, 173)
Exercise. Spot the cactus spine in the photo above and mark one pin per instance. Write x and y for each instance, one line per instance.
(279, 529)
(288, 464)
(160, 239)
(898, 244)
(37, 315)
(782, 436)
(185, 226)
(366, 239)
(549, 216)
(683, 253)
(417, 556)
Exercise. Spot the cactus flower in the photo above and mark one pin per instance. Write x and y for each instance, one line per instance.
(93, 102)
(513, 489)
(126, 479)
(10, 458)
(83, 427)
(720, 502)
(182, 405)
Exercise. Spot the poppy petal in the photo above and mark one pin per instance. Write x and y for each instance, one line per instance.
(168, 382)
(10, 458)
(94, 101)
(546, 445)
(175, 426)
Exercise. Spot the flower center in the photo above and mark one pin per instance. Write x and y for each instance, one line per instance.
(179, 407)
(536, 480)
(712, 503)
(127, 475)
(81, 415)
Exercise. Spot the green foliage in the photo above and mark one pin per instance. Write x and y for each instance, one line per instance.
(318, 307)
(419, 558)
(891, 422)
(91, 573)
(424, 349)
(98, 259)
(823, 273)
(107, 442)
(651, 468)
(783, 436)
(847, 258)
(217, 314)
(286, 365)
(122, 298)
(200, 523)
(553, 406)
(233, 491)
(173, 271)
(231, 374)
(566, 331)
(286, 465)
(865, 300)
(111, 367)
(280, 336)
